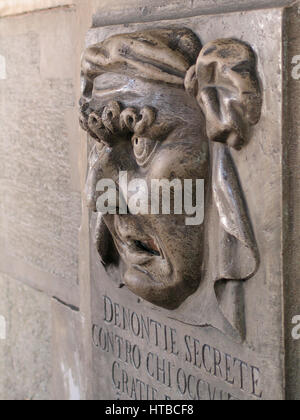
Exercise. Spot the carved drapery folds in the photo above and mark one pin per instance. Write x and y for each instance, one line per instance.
(161, 106)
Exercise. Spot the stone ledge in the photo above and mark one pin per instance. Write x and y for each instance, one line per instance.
(112, 12)
(16, 7)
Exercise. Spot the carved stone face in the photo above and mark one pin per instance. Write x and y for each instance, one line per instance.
(161, 107)
(162, 256)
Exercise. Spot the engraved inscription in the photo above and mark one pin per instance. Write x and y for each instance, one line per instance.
(179, 363)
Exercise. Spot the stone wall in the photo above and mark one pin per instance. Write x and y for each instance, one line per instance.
(40, 197)
(44, 247)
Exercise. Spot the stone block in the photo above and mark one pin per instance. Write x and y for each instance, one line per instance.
(25, 342)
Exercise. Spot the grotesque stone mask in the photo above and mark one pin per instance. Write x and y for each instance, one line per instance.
(159, 106)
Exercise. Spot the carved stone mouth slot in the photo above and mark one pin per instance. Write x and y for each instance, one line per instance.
(146, 247)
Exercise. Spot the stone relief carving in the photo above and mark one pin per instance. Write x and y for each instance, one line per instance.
(160, 106)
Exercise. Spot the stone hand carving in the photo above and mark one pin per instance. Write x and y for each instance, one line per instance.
(159, 106)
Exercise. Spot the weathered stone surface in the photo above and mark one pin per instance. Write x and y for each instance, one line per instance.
(41, 178)
(25, 347)
(68, 356)
(109, 13)
(291, 199)
(13, 7)
(40, 212)
(133, 364)
(39, 192)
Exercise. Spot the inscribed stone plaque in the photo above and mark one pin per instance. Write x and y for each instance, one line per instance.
(181, 311)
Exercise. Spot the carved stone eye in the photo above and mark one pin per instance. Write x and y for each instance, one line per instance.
(143, 149)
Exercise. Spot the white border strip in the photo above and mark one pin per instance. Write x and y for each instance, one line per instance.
(16, 7)
(2, 328)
